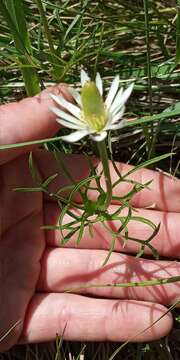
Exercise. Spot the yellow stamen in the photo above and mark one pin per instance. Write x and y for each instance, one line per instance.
(93, 109)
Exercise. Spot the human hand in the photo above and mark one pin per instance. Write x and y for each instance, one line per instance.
(34, 270)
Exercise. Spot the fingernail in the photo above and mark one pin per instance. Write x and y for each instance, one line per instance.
(60, 89)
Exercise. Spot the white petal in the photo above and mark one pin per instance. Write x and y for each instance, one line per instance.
(70, 125)
(75, 136)
(113, 119)
(99, 83)
(75, 95)
(99, 137)
(84, 77)
(73, 109)
(117, 126)
(112, 91)
(118, 115)
(117, 100)
(65, 116)
(124, 98)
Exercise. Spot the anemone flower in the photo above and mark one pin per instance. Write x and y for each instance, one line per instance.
(90, 115)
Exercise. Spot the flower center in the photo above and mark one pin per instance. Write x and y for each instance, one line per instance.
(93, 108)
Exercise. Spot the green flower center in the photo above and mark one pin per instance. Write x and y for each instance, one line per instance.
(93, 109)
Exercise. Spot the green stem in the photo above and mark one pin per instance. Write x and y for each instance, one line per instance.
(104, 158)
(46, 26)
(153, 282)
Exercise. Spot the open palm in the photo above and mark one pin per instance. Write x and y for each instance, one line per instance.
(34, 270)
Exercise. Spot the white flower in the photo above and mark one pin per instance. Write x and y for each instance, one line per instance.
(91, 116)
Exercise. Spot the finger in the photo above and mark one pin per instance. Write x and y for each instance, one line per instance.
(163, 193)
(87, 319)
(64, 269)
(166, 241)
(15, 174)
(27, 120)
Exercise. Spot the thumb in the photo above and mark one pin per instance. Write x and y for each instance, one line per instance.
(29, 119)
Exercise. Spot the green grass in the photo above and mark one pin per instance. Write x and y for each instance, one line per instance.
(140, 41)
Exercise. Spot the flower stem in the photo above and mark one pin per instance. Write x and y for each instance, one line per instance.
(104, 158)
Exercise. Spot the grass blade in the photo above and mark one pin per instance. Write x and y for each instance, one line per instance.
(13, 13)
(178, 33)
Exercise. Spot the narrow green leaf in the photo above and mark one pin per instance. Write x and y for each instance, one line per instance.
(61, 217)
(90, 228)
(68, 236)
(125, 222)
(26, 189)
(81, 230)
(13, 13)
(147, 163)
(113, 242)
(81, 184)
(51, 178)
(34, 170)
(155, 232)
(46, 26)
(144, 221)
(141, 251)
(65, 189)
(16, 12)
